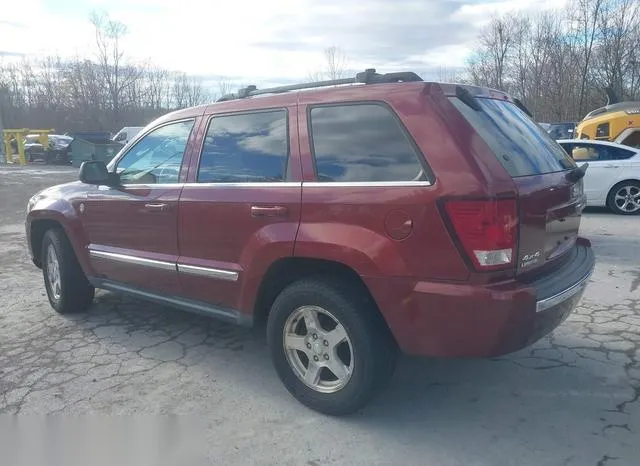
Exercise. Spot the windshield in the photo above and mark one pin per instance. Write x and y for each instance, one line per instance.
(522, 147)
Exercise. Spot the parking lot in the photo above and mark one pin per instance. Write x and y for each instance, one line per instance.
(571, 399)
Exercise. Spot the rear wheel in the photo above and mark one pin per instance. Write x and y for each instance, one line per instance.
(329, 345)
(67, 287)
(624, 198)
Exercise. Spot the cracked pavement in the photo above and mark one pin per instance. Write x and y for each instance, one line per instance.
(571, 399)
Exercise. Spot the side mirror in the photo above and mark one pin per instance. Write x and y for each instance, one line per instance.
(95, 172)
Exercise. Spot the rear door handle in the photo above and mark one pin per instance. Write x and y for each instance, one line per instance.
(612, 166)
(270, 211)
(156, 207)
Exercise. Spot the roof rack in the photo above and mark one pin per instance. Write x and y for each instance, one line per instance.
(369, 76)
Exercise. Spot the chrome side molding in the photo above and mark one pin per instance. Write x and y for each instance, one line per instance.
(220, 274)
(135, 260)
(209, 272)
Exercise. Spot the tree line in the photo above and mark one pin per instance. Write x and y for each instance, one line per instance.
(106, 92)
(563, 64)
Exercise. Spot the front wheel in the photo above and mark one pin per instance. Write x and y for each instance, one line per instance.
(624, 198)
(67, 287)
(329, 345)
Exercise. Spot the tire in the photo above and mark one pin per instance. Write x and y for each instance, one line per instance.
(67, 286)
(368, 351)
(615, 200)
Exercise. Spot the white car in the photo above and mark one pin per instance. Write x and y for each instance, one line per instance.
(127, 133)
(613, 176)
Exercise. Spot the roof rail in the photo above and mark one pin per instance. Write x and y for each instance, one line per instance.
(369, 76)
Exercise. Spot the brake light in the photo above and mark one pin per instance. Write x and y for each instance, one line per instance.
(486, 229)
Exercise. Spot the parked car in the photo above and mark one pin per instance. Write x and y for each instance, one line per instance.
(127, 133)
(57, 150)
(33, 148)
(353, 220)
(613, 177)
(564, 130)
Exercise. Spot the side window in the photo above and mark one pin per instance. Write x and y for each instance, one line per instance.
(362, 142)
(568, 148)
(594, 152)
(602, 131)
(249, 147)
(157, 157)
(586, 152)
(617, 153)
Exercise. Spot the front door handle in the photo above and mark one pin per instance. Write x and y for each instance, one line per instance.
(269, 211)
(156, 207)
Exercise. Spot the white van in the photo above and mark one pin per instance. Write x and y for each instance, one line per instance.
(127, 133)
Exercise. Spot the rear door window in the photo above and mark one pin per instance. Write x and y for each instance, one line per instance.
(522, 147)
(241, 148)
(362, 143)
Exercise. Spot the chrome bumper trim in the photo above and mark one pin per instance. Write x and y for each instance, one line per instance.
(559, 298)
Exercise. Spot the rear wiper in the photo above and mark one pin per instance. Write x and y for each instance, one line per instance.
(577, 173)
(465, 96)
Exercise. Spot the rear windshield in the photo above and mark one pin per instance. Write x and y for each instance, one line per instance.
(522, 147)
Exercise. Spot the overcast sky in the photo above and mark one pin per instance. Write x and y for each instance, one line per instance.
(263, 40)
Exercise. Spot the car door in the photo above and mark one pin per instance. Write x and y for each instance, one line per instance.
(132, 228)
(603, 170)
(241, 209)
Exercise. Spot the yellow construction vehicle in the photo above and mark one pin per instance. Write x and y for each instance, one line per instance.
(619, 122)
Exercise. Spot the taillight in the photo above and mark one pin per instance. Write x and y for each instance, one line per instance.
(486, 229)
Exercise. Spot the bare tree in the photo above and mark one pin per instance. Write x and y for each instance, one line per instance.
(335, 65)
(618, 54)
(560, 62)
(499, 40)
(585, 16)
(116, 76)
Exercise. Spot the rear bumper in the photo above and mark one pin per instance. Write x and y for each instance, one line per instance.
(461, 320)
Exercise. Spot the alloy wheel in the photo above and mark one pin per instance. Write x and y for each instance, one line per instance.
(627, 198)
(318, 349)
(53, 272)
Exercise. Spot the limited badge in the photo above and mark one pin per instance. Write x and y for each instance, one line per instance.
(530, 259)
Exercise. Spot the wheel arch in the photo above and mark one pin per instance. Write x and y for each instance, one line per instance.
(37, 230)
(286, 271)
(39, 221)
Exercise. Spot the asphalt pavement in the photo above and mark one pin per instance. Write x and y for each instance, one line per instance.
(572, 399)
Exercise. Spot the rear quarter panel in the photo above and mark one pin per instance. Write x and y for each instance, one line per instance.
(353, 224)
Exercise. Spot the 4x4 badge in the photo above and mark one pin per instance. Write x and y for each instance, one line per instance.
(530, 259)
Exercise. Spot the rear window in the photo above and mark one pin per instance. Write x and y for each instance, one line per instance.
(362, 143)
(522, 147)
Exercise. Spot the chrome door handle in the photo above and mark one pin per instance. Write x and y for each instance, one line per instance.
(156, 207)
(270, 211)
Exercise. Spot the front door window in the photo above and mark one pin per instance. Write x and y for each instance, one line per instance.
(157, 157)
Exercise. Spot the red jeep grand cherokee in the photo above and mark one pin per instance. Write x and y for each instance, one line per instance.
(378, 212)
